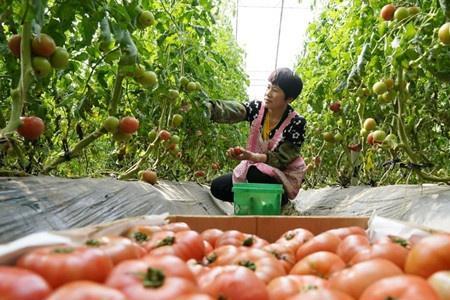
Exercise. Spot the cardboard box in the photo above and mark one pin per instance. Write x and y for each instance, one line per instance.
(268, 227)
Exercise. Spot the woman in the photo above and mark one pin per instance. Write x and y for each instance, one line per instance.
(277, 132)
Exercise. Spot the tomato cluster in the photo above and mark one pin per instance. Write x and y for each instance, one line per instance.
(46, 55)
(174, 262)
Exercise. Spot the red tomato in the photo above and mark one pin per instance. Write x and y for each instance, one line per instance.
(222, 255)
(322, 242)
(322, 294)
(14, 44)
(211, 235)
(403, 287)
(233, 283)
(86, 290)
(321, 264)
(118, 248)
(343, 232)
(387, 12)
(184, 244)
(283, 287)
(31, 128)
(176, 227)
(265, 266)
(22, 284)
(142, 233)
(429, 255)
(163, 277)
(59, 265)
(238, 239)
(128, 125)
(283, 254)
(295, 238)
(356, 279)
(351, 245)
(132, 272)
(440, 282)
(390, 251)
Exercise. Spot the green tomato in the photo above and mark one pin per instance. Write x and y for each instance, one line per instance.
(145, 19)
(177, 119)
(174, 139)
(379, 88)
(379, 136)
(111, 124)
(152, 135)
(413, 10)
(369, 124)
(148, 79)
(363, 132)
(183, 81)
(60, 58)
(41, 66)
(444, 33)
(401, 13)
(191, 86)
(338, 137)
(173, 94)
(328, 137)
(106, 45)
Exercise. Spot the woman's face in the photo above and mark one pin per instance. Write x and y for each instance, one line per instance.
(274, 97)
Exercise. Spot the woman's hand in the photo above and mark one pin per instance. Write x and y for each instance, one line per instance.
(239, 153)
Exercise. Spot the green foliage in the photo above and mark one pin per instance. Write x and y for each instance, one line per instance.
(350, 48)
(106, 49)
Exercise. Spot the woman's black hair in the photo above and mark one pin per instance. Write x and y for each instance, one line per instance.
(288, 81)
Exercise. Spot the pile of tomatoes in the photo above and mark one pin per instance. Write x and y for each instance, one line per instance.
(174, 262)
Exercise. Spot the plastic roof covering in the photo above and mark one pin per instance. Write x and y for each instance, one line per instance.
(32, 204)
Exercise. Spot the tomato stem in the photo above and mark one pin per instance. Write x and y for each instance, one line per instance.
(248, 264)
(167, 241)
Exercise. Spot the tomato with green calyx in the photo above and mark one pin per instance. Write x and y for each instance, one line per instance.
(43, 45)
(328, 137)
(444, 33)
(145, 19)
(41, 66)
(148, 79)
(191, 86)
(183, 81)
(215, 166)
(401, 13)
(148, 176)
(338, 137)
(78, 263)
(14, 44)
(379, 88)
(111, 124)
(370, 124)
(177, 119)
(363, 132)
(387, 12)
(175, 139)
(173, 94)
(128, 125)
(164, 135)
(31, 128)
(60, 58)
(379, 136)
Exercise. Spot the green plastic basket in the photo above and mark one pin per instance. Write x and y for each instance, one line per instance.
(257, 198)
